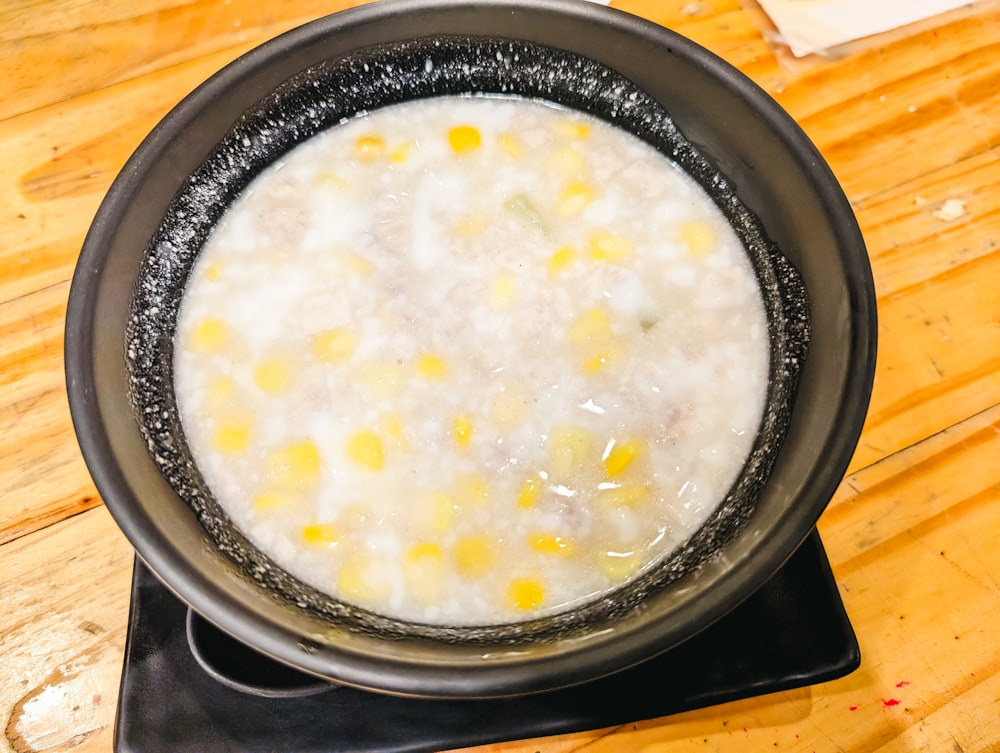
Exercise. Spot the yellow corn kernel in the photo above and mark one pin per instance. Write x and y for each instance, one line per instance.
(568, 161)
(382, 378)
(273, 375)
(618, 565)
(209, 335)
(363, 579)
(213, 272)
(424, 551)
(401, 152)
(321, 533)
(272, 500)
(294, 465)
(525, 593)
(569, 447)
(474, 556)
(620, 455)
(560, 260)
(507, 408)
(597, 361)
(432, 367)
(365, 448)
(220, 389)
(594, 337)
(334, 346)
(512, 146)
(575, 197)
(530, 491)
(502, 290)
(357, 264)
(393, 427)
(594, 363)
(472, 224)
(471, 489)
(462, 430)
(369, 148)
(544, 543)
(423, 569)
(697, 236)
(464, 138)
(625, 495)
(593, 326)
(232, 434)
(572, 130)
(435, 511)
(606, 246)
(331, 181)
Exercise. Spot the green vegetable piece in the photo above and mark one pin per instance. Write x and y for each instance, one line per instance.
(524, 210)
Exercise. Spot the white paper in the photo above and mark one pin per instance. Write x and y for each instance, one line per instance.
(809, 26)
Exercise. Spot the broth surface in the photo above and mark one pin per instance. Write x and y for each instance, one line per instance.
(471, 360)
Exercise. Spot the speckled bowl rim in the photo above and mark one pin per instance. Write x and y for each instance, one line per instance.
(324, 96)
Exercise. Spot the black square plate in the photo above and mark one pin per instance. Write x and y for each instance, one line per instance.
(791, 633)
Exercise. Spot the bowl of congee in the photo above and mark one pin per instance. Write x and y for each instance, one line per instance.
(450, 349)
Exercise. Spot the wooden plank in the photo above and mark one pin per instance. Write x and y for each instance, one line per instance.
(57, 51)
(938, 328)
(939, 357)
(60, 161)
(63, 616)
(880, 106)
(912, 235)
(725, 27)
(42, 475)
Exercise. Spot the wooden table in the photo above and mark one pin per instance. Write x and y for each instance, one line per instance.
(910, 123)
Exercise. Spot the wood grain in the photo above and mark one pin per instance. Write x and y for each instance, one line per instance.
(910, 124)
(63, 613)
(95, 45)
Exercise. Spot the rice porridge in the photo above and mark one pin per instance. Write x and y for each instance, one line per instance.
(471, 360)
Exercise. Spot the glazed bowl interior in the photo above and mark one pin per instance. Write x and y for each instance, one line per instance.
(755, 162)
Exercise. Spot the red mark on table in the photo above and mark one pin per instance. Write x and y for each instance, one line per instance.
(902, 683)
(891, 702)
(853, 708)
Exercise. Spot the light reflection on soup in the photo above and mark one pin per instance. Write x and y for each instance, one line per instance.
(471, 360)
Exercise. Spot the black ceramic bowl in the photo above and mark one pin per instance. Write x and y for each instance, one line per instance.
(759, 167)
